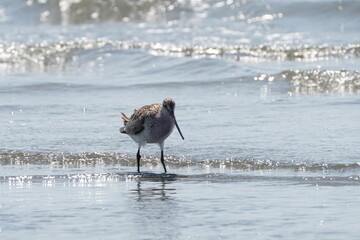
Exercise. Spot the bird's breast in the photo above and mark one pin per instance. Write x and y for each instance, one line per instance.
(160, 129)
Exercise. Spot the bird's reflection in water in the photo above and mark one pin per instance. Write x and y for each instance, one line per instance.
(160, 190)
(154, 208)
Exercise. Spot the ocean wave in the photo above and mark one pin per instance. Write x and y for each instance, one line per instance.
(42, 57)
(113, 167)
(317, 81)
(324, 81)
(88, 178)
(249, 11)
(60, 56)
(259, 53)
(72, 55)
(67, 12)
(78, 160)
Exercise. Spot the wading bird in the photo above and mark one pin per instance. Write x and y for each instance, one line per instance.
(151, 124)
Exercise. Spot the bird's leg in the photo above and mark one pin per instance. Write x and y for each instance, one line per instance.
(138, 160)
(162, 155)
(162, 160)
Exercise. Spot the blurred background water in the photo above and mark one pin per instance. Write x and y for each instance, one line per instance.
(267, 97)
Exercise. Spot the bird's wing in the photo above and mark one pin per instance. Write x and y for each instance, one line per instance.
(137, 120)
(135, 124)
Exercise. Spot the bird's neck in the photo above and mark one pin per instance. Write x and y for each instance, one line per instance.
(164, 113)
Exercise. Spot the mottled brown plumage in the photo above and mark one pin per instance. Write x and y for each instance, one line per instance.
(151, 124)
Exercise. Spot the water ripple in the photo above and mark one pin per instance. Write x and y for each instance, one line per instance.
(78, 160)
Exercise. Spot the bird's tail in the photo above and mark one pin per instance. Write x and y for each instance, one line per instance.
(125, 118)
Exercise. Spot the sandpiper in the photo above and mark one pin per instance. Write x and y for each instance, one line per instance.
(151, 124)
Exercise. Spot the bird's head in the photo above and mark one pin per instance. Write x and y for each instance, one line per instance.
(169, 105)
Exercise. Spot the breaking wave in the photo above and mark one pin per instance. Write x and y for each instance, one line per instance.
(56, 56)
(77, 160)
(318, 81)
(81, 168)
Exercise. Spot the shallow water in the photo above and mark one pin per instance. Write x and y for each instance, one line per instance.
(267, 97)
(198, 206)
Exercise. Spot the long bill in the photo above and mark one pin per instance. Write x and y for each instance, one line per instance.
(177, 126)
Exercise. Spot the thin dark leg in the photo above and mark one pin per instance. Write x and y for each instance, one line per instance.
(138, 160)
(162, 160)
